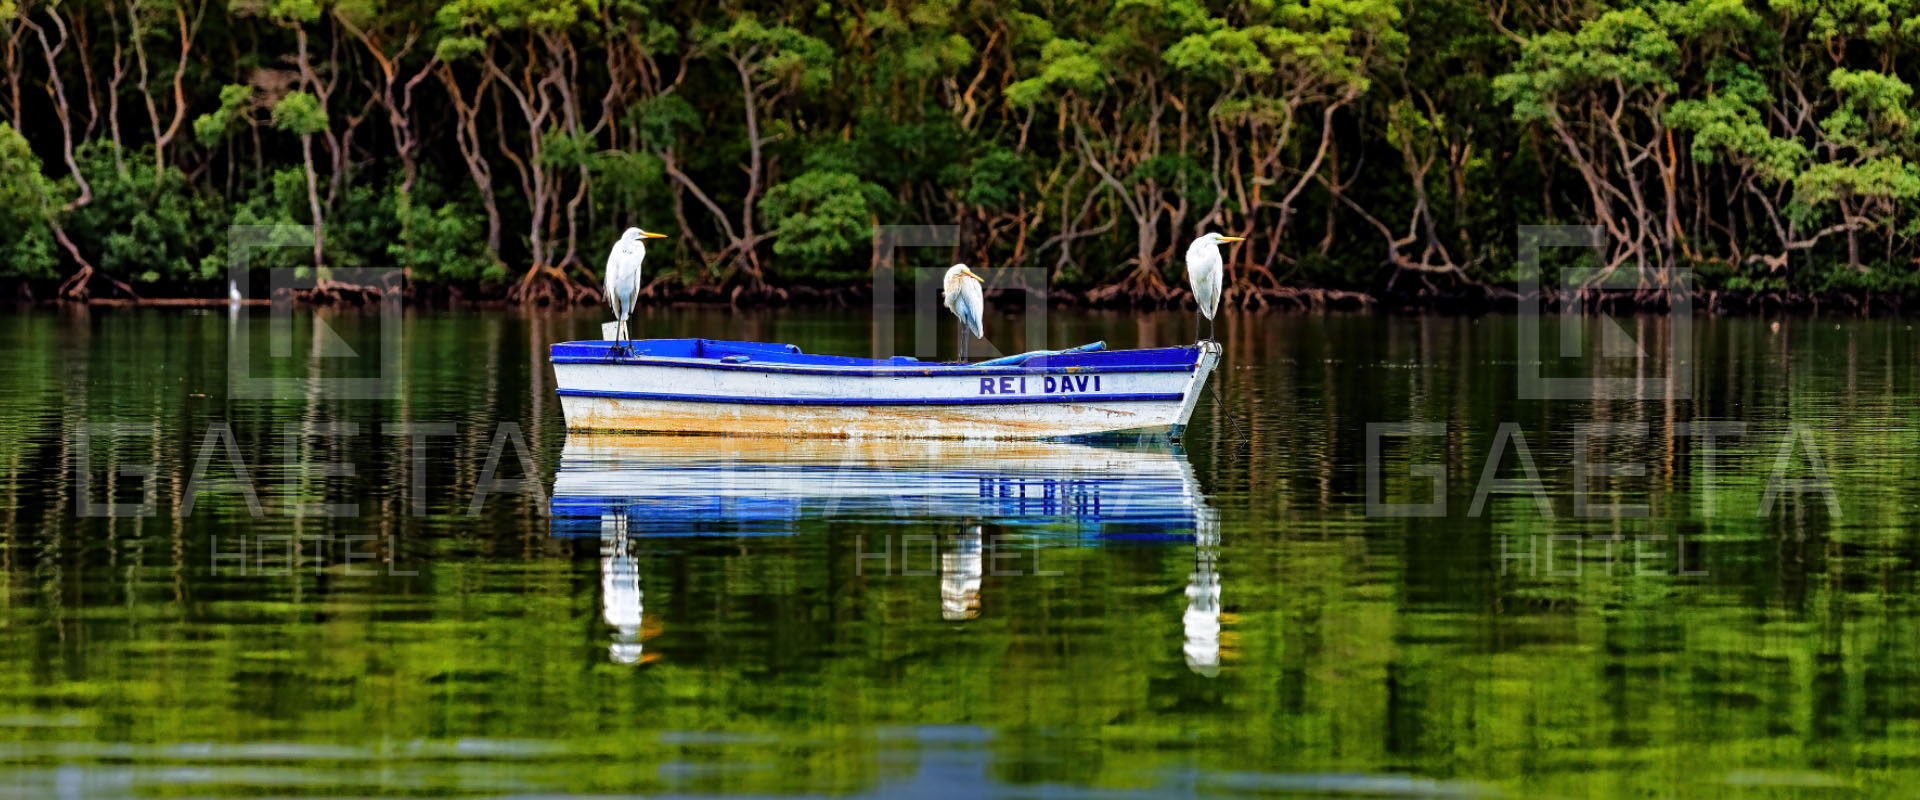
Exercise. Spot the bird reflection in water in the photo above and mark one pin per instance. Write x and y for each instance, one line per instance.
(1202, 619)
(621, 600)
(960, 571)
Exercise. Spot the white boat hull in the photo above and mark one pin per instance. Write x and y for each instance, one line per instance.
(930, 401)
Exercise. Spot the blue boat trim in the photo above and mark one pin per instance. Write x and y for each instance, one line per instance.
(987, 400)
(760, 357)
(873, 372)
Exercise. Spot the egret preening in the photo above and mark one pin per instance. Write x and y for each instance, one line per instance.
(961, 290)
(623, 274)
(1205, 274)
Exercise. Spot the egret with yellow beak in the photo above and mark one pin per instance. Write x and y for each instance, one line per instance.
(1205, 273)
(961, 290)
(623, 275)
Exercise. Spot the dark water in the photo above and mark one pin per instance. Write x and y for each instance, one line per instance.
(680, 616)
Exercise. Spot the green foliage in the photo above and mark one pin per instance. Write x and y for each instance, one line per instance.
(299, 113)
(210, 128)
(630, 178)
(1626, 47)
(434, 237)
(1180, 170)
(1223, 55)
(281, 208)
(149, 227)
(295, 12)
(661, 120)
(481, 18)
(995, 179)
(1066, 65)
(1356, 138)
(824, 219)
(1726, 123)
(919, 42)
(564, 150)
(1873, 109)
(453, 49)
(26, 241)
(1879, 177)
(780, 52)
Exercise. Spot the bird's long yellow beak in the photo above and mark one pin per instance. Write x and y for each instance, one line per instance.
(1233, 238)
(969, 273)
(653, 236)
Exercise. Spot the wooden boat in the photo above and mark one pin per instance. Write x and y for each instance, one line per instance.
(751, 388)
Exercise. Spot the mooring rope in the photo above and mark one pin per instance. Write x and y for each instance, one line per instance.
(1220, 412)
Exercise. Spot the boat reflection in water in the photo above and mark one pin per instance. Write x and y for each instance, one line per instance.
(626, 488)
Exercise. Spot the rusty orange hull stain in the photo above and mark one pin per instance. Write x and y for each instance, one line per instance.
(787, 450)
(1006, 421)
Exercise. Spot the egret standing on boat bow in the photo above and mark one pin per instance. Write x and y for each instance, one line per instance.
(1205, 274)
(623, 274)
(961, 289)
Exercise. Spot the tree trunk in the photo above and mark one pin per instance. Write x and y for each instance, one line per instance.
(313, 206)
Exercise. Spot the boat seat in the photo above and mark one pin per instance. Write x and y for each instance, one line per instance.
(1008, 361)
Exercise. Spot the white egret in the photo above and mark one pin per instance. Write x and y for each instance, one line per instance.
(623, 274)
(961, 289)
(1204, 272)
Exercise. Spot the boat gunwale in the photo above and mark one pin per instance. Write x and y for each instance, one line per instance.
(985, 400)
(930, 371)
(786, 358)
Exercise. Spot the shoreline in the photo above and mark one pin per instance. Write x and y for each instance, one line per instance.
(1303, 299)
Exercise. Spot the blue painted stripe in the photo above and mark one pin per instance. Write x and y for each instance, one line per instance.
(763, 357)
(987, 400)
(878, 372)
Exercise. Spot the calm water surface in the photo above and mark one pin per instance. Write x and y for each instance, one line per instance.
(697, 616)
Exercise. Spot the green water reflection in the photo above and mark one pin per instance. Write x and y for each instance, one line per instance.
(1224, 617)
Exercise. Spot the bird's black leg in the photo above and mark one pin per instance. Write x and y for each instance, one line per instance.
(963, 341)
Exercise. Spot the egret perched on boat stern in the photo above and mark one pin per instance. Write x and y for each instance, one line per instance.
(623, 274)
(1204, 272)
(961, 290)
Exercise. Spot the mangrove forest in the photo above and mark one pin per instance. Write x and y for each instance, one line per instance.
(1374, 148)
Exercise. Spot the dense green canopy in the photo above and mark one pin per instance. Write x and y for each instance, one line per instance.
(500, 145)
